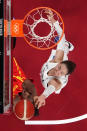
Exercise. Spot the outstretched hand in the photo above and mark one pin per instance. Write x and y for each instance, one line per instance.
(50, 15)
(49, 12)
(40, 101)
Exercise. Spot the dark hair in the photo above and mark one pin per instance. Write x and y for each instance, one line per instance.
(70, 66)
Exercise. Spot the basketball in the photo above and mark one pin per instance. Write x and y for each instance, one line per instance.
(24, 110)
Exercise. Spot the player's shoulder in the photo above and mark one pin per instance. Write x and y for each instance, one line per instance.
(63, 79)
(53, 61)
(55, 82)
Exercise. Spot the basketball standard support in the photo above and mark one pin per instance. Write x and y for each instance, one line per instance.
(1, 54)
(8, 53)
(5, 58)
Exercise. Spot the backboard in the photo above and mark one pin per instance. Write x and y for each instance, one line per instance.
(5, 57)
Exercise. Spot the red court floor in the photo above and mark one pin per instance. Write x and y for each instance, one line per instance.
(71, 102)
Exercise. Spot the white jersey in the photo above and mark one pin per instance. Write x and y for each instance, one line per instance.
(45, 78)
(49, 65)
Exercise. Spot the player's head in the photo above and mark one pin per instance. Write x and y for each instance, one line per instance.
(65, 68)
(26, 85)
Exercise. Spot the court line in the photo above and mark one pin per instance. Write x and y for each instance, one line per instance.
(56, 122)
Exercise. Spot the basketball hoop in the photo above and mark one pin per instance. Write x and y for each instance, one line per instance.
(37, 30)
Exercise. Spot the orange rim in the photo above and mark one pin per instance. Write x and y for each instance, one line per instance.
(60, 19)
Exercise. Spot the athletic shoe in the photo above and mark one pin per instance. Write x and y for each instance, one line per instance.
(70, 45)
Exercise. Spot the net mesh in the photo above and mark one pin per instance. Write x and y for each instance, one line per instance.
(33, 31)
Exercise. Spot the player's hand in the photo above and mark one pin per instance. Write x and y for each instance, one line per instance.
(49, 12)
(50, 15)
(35, 99)
(40, 102)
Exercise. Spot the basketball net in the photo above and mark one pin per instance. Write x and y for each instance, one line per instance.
(29, 28)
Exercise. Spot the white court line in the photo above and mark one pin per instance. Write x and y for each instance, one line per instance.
(56, 122)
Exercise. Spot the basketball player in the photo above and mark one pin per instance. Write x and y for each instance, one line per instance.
(28, 93)
(23, 88)
(56, 70)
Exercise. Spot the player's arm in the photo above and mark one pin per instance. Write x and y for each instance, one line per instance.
(53, 86)
(58, 56)
(55, 22)
(59, 52)
(56, 83)
(30, 88)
